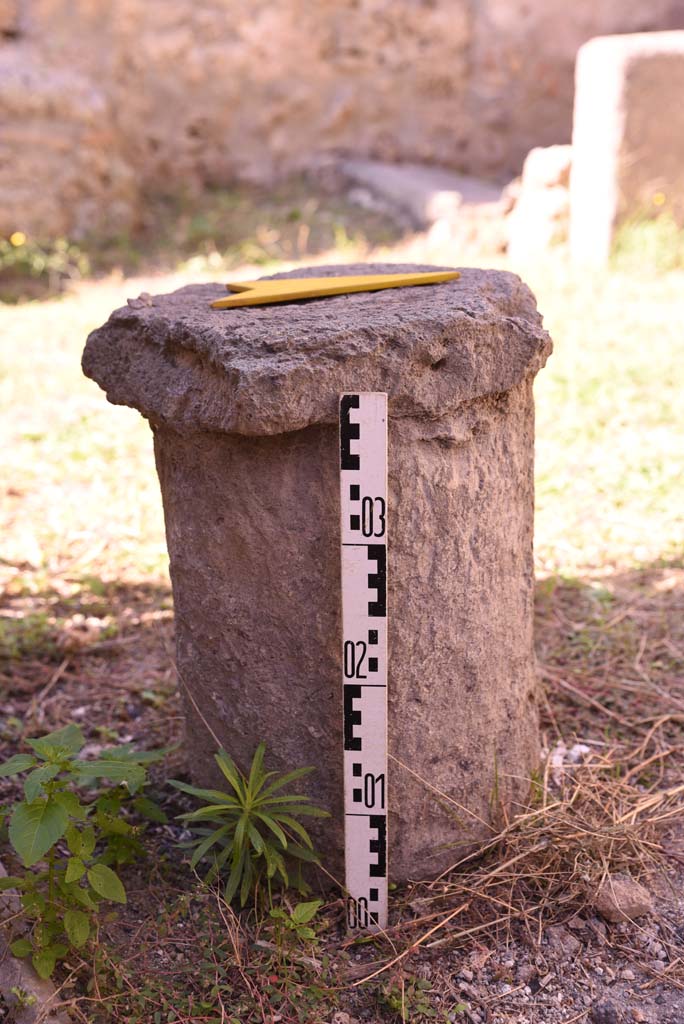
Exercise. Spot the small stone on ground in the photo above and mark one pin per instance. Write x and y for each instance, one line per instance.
(620, 898)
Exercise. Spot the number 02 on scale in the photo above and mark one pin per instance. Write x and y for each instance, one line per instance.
(363, 503)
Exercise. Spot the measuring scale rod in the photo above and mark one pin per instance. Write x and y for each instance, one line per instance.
(363, 506)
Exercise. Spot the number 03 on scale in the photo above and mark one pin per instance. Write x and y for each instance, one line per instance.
(363, 504)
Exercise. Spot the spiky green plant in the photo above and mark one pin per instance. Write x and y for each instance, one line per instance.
(253, 828)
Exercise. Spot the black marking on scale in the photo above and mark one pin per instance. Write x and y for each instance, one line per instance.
(352, 692)
(348, 432)
(378, 580)
(379, 845)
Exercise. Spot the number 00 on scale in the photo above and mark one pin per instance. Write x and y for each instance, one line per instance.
(363, 505)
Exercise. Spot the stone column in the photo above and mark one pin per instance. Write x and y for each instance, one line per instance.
(627, 138)
(243, 405)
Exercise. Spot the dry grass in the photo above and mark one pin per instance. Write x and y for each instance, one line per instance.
(547, 864)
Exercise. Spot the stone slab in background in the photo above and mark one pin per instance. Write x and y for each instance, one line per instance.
(539, 218)
(244, 406)
(455, 208)
(628, 137)
(424, 194)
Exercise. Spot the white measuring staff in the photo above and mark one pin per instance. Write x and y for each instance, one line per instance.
(363, 506)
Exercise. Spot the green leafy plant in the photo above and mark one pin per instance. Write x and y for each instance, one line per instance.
(23, 999)
(68, 843)
(52, 264)
(252, 828)
(233, 969)
(295, 924)
(411, 1001)
(31, 635)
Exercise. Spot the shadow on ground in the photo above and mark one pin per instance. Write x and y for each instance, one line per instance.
(96, 651)
(611, 647)
(610, 650)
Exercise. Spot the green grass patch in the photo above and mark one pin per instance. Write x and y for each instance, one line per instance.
(30, 636)
(610, 424)
(215, 232)
(653, 243)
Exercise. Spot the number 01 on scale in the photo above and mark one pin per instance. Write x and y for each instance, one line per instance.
(363, 504)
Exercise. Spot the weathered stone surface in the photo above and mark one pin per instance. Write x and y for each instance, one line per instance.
(606, 1012)
(9, 18)
(620, 898)
(627, 137)
(562, 942)
(425, 194)
(547, 167)
(202, 93)
(456, 209)
(540, 216)
(271, 369)
(61, 170)
(243, 405)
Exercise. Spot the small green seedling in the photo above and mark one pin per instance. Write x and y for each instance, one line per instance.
(68, 843)
(413, 1001)
(251, 828)
(296, 923)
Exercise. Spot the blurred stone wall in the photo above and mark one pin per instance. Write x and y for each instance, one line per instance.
(101, 100)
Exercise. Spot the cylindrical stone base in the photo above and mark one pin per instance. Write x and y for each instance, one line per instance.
(243, 404)
(252, 528)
